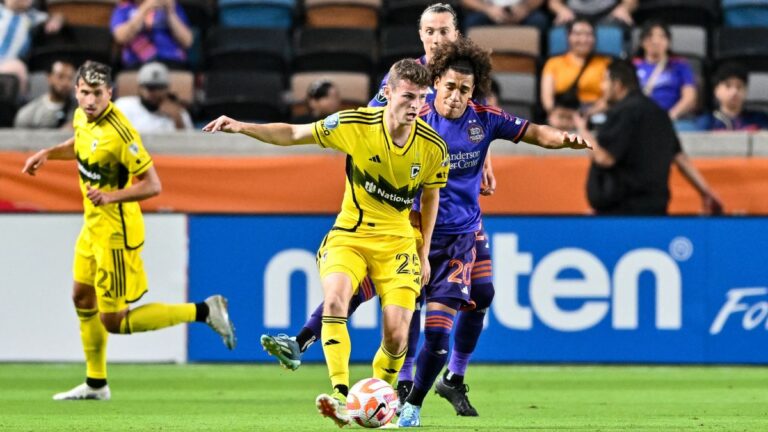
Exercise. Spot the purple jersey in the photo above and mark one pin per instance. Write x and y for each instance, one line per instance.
(379, 100)
(468, 138)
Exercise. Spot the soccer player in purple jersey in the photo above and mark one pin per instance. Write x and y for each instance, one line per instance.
(461, 71)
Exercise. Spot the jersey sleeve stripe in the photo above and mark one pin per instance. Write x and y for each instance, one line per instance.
(140, 170)
(435, 137)
(435, 183)
(522, 132)
(440, 144)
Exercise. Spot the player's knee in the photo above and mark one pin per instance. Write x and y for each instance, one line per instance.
(335, 306)
(111, 322)
(483, 295)
(396, 340)
(83, 298)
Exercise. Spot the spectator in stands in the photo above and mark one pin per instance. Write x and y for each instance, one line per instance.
(151, 30)
(665, 78)
(55, 108)
(730, 92)
(517, 12)
(633, 152)
(562, 113)
(323, 99)
(599, 11)
(578, 72)
(155, 109)
(17, 20)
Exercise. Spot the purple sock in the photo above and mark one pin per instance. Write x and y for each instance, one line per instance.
(459, 362)
(311, 330)
(432, 355)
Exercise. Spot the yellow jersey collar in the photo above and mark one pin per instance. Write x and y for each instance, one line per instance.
(104, 114)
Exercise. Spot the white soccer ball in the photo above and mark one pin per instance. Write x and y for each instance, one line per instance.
(372, 403)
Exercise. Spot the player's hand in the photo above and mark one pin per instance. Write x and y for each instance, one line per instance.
(488, 185)
(712, 205)
(575, 141)
(426, 270)
(97, 197)
(224, 124)
(35, 162)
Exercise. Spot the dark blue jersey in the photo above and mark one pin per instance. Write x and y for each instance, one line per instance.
(468, 138)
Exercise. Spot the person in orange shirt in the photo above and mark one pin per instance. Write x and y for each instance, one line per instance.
(579, 71)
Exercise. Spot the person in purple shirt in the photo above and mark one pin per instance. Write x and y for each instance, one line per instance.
(151, 30)
(461, 74)
(665, 78)
(730, 93)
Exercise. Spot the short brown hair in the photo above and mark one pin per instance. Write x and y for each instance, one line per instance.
(94, 74)
(463, 56)
(408, 70)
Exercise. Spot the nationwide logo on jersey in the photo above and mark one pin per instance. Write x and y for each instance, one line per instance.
(102, 176)
(415, 170)
(380, 190)
(331, 122)
(475, 133)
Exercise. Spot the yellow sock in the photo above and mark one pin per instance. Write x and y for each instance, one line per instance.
(337, 348)
(155, 316)
(94, 338)
(387, 365)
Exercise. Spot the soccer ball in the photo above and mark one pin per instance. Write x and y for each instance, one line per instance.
(372, 403)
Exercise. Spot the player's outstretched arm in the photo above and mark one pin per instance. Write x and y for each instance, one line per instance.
(63, 151)
(600, 155)
(282, 134)
(549, 137)
(146, 186)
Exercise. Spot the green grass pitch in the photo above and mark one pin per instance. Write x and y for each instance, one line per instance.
(225, 398)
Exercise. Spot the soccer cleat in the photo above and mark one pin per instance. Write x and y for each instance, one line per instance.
(218, 320)
(457, 396)
(334, 407)
(84, 392)
(410, 416)
(403, 390)
(285, 348)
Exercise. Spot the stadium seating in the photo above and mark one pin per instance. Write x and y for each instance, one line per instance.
(517, 93)
(255, 96)
(199, 12)
(513, 48)
(705, 13)
(609, 40)
(398, 42)
(757, 93)
(408, 12)
(745, 13)
(342, 13)
(335, 49)
(231, 48)
(257, 13)
(75, 43)
(746, 45)
(9, 96)
(181, 84)
(354, 89)
(95, 13)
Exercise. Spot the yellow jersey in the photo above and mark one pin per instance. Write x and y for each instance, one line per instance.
(109, 154)
(382, 178)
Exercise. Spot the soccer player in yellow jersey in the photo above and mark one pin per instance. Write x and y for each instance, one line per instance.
(115, 173)
(391, 154)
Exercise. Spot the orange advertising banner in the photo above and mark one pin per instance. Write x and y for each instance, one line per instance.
(315, 184)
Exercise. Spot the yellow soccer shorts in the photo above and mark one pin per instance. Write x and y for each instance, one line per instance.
(391, 262)
(117, 274)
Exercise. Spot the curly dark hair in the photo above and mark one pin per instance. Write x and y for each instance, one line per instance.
(463, 56)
